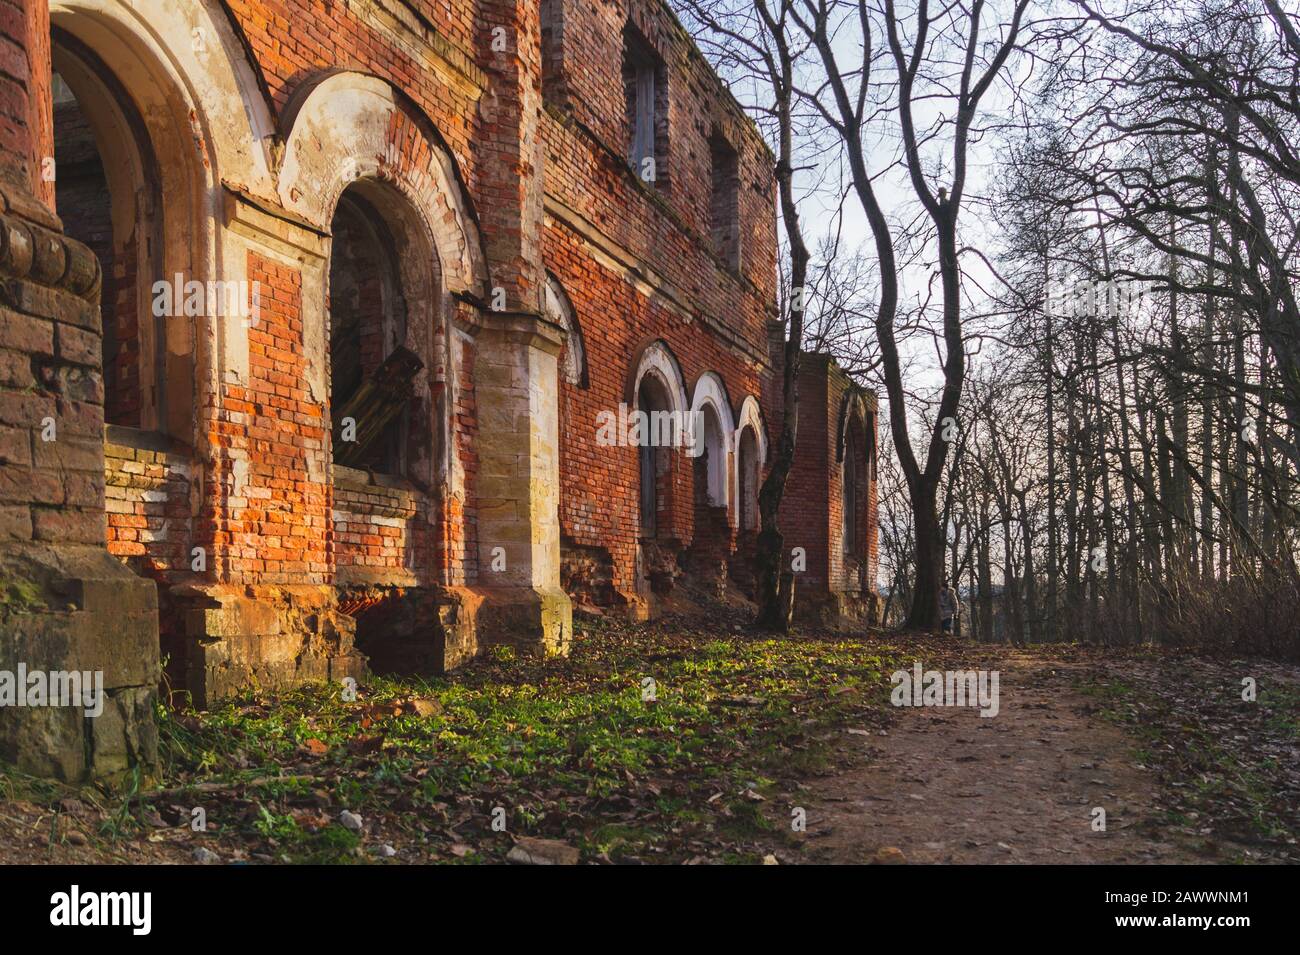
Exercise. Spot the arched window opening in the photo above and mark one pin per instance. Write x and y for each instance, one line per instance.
(107, 195)
(749, 517)
(373, 375)
(715, 457)
(850, 496)
(573, 355)
(654, 456)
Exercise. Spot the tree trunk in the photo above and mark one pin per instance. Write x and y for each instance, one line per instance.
(775, 601)
(928, 553)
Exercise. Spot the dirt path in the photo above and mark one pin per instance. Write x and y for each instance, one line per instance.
(944, 784)
(936, 784)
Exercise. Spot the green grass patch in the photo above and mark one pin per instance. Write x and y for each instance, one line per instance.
(574, 749)
(1211, 751)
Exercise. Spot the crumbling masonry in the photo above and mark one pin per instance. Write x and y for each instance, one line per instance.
(310, 315)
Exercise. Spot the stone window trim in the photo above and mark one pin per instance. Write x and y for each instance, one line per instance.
(855, 407)
(750, 419)
(366, 112)
(655, 357)
(850, 494)
(656, 362)
(148, 183)
(148, 50)
(560, 311)
(856, 455)
(711, 392)
(384, 143)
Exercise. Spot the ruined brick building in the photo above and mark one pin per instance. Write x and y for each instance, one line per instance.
(325, 299)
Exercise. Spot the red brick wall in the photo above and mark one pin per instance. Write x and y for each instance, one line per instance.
(377, 527)
(147, 497)
(672, 226)
(272, 517)
(83, 202)
(809, 509)
(599, 496)
(711, 317)
(812, 512)
(293, 41)
(638, 264)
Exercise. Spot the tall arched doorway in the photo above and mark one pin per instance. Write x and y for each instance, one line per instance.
(107, 194)
(711, 427)
(750, 452)
(385, 304)
(654, 459)
(658, 409)
(131, 182)
(850, 571)
(850, 494)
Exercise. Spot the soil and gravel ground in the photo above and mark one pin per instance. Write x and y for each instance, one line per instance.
(737, 737)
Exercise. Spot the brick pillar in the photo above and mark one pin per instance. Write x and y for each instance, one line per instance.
(510, 148)
(516, 365)
(65, 604)
(827, 591)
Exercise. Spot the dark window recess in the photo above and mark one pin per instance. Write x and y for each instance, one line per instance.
(849, 487)
(749, 515)
(645, 92)
(552, 49)
(648, 459)
(724, 204)
(371, 373)
(649, 491)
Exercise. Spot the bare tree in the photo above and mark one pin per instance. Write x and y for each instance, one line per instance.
(929, 55)
(754, 39)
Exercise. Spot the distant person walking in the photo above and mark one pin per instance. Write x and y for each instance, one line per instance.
(949, 606)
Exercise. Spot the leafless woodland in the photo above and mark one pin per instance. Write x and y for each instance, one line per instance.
(1076, 285)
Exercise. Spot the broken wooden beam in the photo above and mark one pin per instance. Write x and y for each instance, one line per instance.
(375, 404)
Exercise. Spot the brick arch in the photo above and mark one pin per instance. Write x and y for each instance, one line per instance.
(183, 72)
(711, 389)
(348, 126)
(751, 416)
(191, 52)
(853, 407)
(855, 456)
(408, 288)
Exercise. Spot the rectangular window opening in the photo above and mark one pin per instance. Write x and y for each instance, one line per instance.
(552, 49)
(645, 91)
(724, 205)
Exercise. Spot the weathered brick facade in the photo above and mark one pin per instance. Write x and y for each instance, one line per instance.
(65, 604)
(444, 210)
